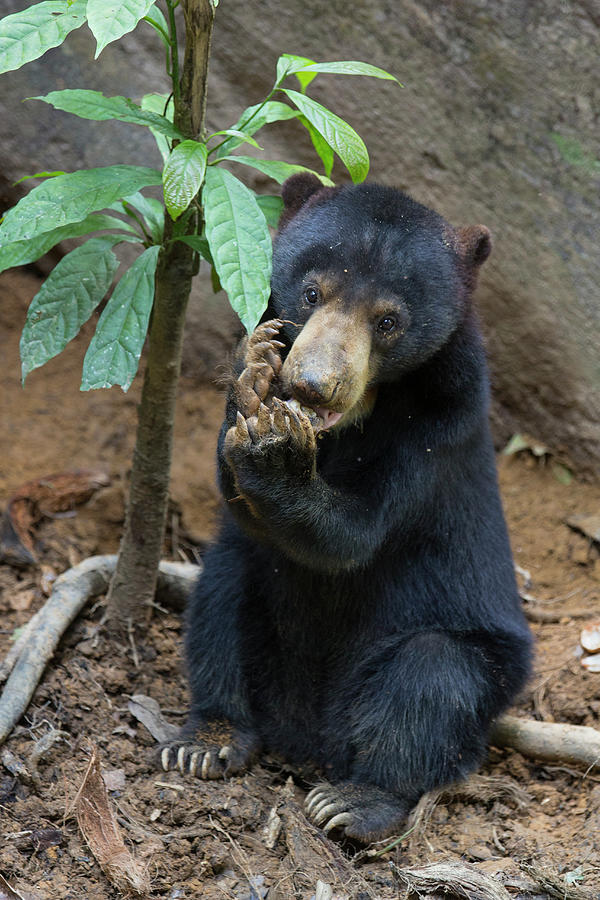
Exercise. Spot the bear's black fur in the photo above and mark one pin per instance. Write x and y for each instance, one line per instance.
(359, 610)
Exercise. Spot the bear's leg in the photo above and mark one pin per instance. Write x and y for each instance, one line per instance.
(418, 716)
(218, 738)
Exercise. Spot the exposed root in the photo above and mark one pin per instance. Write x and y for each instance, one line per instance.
(454, 880)
(102, 834)
(26, 661)
(571, 744)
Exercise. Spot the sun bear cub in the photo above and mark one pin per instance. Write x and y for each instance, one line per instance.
(358, 610)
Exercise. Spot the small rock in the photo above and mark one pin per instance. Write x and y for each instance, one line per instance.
(591, 663)
(114, 779)
(587, 525)
(590, 637)
(480, 852)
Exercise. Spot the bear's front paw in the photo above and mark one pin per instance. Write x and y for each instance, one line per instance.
(262, 364)
(274, 442)
(215, 752)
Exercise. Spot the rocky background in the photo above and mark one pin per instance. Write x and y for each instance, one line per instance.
(498, 123)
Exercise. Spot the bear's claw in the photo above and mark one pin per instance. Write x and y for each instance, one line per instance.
(203, 759)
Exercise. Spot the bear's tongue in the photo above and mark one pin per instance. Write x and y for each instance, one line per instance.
(329, 417)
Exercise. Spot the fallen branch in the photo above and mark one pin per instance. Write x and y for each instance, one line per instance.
(548, 741)
(71, 592)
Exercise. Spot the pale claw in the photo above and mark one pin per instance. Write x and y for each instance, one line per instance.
(325, 812)
(343, 818)
(312, 798)
(263, 423)
(165, 759)
(194, 762)
(205, 765)
(242, 433)
(181, 759)
(317, 807)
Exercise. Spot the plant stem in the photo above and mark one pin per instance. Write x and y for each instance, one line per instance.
(133, 585)
(174, 68)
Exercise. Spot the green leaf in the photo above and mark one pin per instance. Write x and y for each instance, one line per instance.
(155, 18)
(276, 169)
(183, 176)
(163, 105)
(321, 146)
(27, 35)
(114, 353)
(573, 153)
(253, 119)
(340, 136)
(94, 105)
(288, 64)
(240, 243)
(244, 138)
(152, 211)
(562, 473)
(40, 175)
(66, 300)
(20, 253)
(345, 67)
(271, 207)
(70, 198)
(197, 243)
(111, 19)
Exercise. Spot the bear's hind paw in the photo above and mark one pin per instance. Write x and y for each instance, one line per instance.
(361, 812)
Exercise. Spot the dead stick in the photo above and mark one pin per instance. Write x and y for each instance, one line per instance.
(71, 592)
(548, 741)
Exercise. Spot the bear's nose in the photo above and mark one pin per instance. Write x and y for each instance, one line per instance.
(314, 391)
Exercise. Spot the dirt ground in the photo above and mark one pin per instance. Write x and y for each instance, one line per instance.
(534, 827)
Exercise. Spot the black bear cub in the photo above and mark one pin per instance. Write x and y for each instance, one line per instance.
(358, 610)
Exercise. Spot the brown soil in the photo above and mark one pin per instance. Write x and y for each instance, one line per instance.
(209, 839)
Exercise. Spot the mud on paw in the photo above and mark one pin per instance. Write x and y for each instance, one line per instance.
(262, 364)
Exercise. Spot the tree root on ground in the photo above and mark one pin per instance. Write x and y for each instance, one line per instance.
(27, 659)
(548, 741)
(25, 662)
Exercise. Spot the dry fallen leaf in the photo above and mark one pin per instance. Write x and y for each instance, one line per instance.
(102, 834)
(45, 496)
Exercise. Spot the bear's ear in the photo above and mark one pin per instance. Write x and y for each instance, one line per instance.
(297, 189)
(474, 244)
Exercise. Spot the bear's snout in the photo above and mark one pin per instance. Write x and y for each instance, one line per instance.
(328, 364)
(313, 391)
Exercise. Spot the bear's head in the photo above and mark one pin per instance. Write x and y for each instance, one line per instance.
(371, 285)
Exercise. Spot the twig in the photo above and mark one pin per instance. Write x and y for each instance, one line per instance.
(71, 592)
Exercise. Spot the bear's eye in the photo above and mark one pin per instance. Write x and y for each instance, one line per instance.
(312, 295)
(387, 324)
